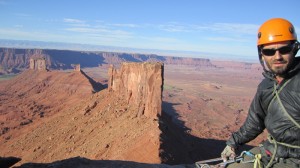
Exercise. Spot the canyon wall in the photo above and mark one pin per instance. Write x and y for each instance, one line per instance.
(19, 59)
(140, 84)
(37, 64)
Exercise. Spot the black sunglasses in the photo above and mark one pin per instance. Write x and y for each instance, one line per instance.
(282, 50)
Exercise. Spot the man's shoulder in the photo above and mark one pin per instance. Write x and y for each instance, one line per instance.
(295, 80)
(266, 83)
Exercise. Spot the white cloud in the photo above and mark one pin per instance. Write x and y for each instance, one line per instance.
(75, 22)
(13, 32)
(69, 20)
(201, 37)
(226, 39)
(125, 25)
(83, 30)
(234, 28)
(18, 26)
(100, 30)
(28, 35)
(160, 39)
(212, 27)
(174, 27)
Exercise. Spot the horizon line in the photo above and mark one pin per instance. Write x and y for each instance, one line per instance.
(103, 48)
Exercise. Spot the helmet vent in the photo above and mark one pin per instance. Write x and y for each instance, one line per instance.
(259, 35)
(291, 30)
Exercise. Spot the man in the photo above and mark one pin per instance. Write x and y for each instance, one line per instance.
(276, 105)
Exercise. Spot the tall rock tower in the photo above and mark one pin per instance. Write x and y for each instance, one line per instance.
(140, 84)
(37, 63)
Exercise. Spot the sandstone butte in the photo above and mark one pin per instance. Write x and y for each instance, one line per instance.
(66, 119)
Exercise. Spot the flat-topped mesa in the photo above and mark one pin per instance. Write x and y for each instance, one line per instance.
(140, 84)
(37, 64)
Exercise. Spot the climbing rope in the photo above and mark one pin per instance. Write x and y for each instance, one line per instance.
(257, 162)
(270, 138)
(283, 108)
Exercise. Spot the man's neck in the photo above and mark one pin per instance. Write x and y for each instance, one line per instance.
(279, 79)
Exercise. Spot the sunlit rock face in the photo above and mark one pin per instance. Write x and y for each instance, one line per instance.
(140, 84)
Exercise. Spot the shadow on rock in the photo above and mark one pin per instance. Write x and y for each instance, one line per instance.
(178, 146)
(6, 162)
(96, 85)
(80, 162)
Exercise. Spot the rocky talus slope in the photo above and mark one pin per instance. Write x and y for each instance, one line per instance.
(50, 116)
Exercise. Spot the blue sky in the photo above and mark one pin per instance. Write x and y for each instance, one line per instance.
(218, 26)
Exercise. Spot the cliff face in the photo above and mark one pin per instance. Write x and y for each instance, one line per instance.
(14, 60)
(37, 64)
(140, 84)
(53, 115)
(19, 59)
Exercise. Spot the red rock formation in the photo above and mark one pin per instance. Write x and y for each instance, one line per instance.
(71, 120)
(140, 84)
(37, 64)
(19, 59)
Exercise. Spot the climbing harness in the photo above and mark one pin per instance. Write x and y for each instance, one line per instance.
(219, 163)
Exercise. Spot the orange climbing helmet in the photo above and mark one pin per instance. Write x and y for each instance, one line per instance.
(276, 30)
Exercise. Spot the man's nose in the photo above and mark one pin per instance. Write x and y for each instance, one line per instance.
(277, 55)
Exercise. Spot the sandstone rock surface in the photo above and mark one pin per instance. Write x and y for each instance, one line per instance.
(103, 125)
(140, 84)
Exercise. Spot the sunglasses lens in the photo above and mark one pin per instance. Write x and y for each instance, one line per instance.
(282, 50)
(285, 50)
(268, 52)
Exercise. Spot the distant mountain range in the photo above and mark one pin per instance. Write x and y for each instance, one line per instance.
(89, 47)
(27, 44)
(14, 60)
